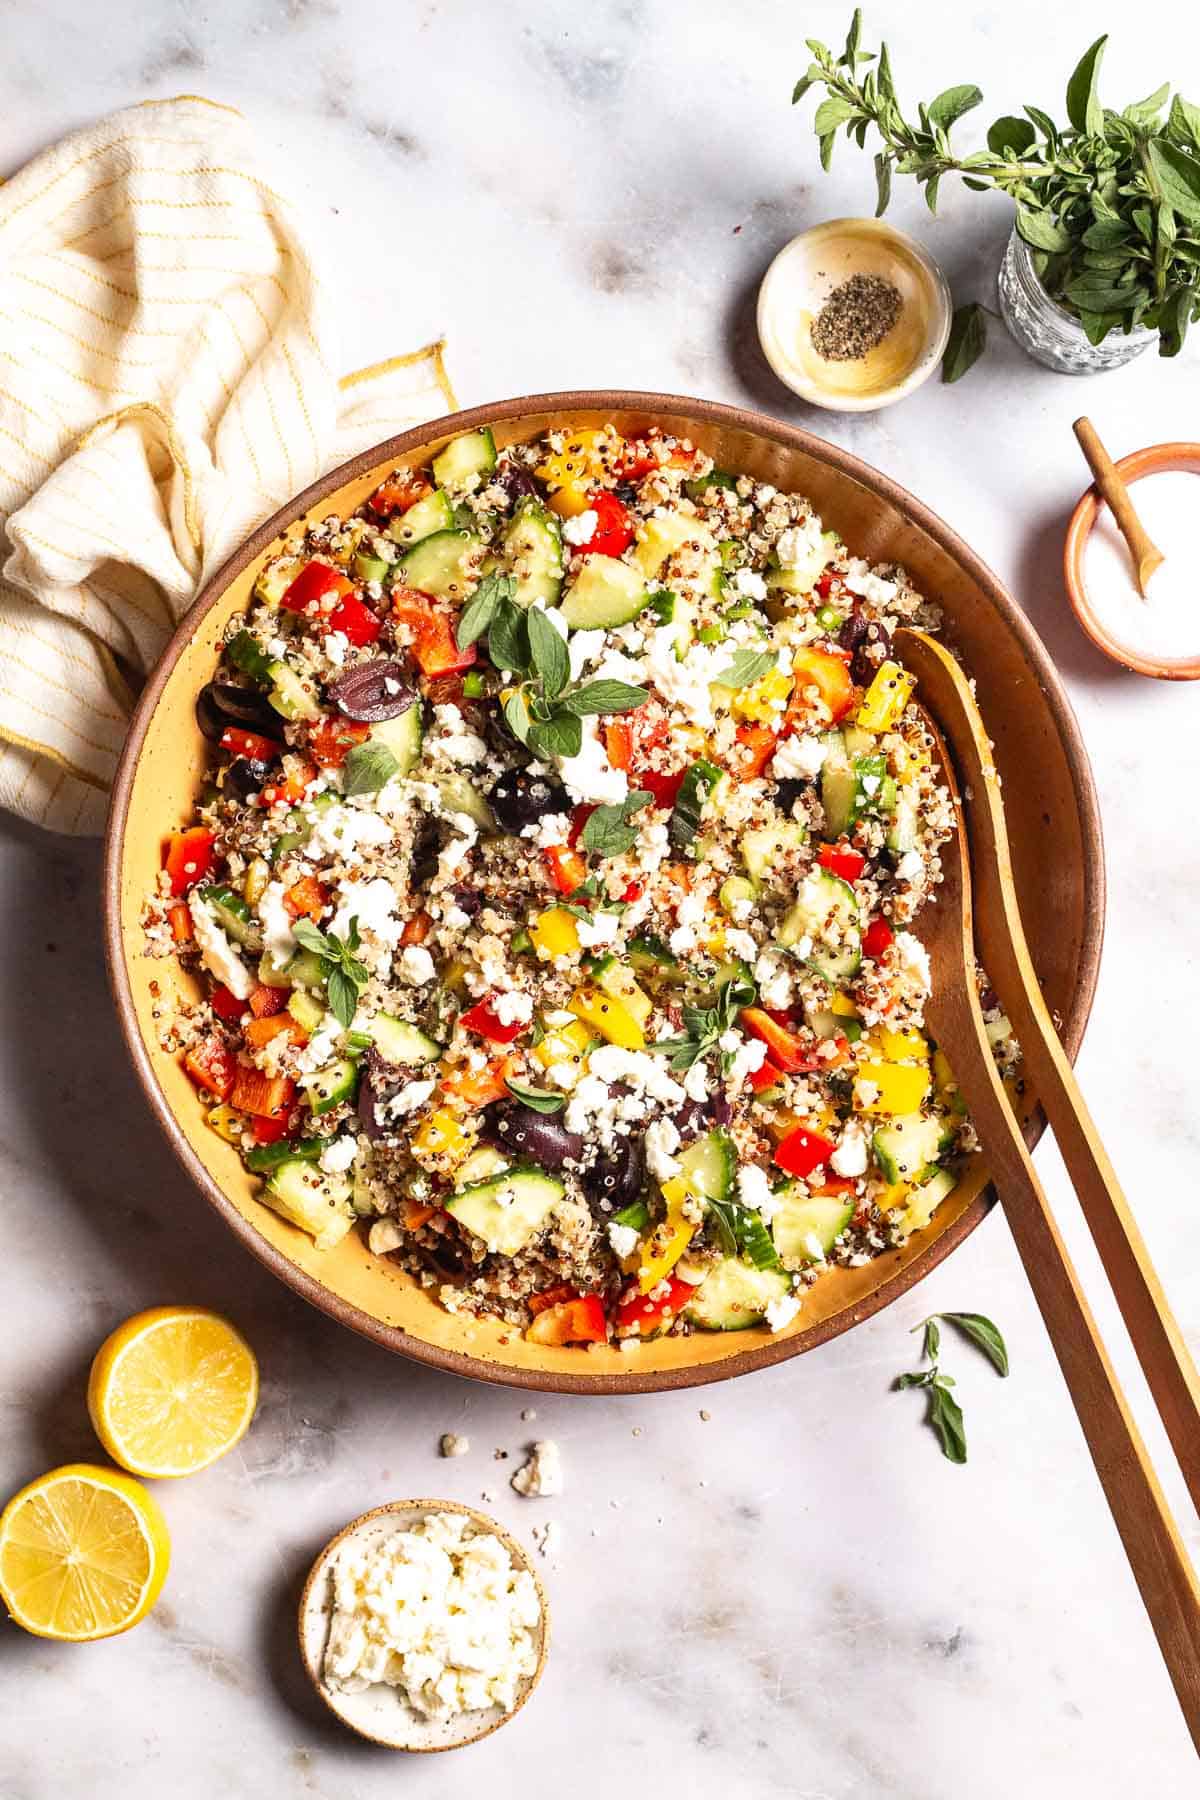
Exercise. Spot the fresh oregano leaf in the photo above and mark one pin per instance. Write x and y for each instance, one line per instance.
(535, 1098)
(1083, 100)
(480, 610)
(966, 343)
(607, 830)
(560, 736)
(1178, 176)
(604, 697)
(343, 995)
(1043, 232)
(368, 768)
(508, 638)
(547, 653)
(1010, 136)
(982, 1333)
(883, 182)
(945, 1415)
(952, 103)
(311, 937)
(747, 667)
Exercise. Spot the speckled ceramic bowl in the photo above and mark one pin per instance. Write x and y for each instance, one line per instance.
(1053, 822)
(381, 1713)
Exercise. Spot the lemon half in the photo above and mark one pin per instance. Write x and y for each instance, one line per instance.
(171, 1390)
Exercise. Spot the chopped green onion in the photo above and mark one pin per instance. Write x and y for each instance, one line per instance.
(473, 685)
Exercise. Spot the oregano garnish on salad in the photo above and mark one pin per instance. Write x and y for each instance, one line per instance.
(344, 975)
(945, 1414)
(543, 712)
(608, 831)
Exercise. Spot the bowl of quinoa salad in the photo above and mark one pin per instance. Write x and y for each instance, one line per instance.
(515, 881)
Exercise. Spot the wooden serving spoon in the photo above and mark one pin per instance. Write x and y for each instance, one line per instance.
(1146, 555)
(1153, 1546)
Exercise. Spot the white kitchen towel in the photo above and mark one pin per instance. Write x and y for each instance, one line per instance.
(168, 378)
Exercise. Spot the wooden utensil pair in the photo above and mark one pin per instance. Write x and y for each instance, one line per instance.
(1156, 1553)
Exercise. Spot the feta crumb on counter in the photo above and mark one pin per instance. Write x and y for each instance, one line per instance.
(451, 1443)
(438, 1611)
(541, 1474)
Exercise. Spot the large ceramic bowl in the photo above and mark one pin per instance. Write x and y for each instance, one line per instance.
(1053, 822)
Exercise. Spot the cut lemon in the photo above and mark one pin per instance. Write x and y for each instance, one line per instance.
(83, 1553)
(171, 1390)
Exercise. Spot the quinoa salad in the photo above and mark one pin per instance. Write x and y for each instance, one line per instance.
(552, 892)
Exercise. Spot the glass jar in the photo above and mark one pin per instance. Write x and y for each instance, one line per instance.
(1047, 331)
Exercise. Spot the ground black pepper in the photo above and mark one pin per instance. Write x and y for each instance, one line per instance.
(858, 314)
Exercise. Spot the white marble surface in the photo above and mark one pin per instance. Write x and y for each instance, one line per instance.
(797, 1595)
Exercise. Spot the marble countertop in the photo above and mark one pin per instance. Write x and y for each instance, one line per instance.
(778, 1586)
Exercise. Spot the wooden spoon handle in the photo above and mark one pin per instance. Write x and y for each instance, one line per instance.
(1146, 555)
(1139, 1508)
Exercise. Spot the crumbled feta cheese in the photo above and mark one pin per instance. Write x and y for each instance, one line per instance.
(749, 1056)
(624, 1240)
(799, 758)
(335, 646)
(798, 543)
(455, 743)
(550, 829)
(512, 1008)
(410, 1097)
(850, 1157)
(340, 832)
(217, 953)
(590, 777)
(913, 958)
(662, 1140)
(373, 904)
(338, 1154)
(780, 1313)
(541, 1474)
(416, 965)
(598, 930)
(582, 528)
(695, 1081)
(584, 647)
(685, 684)
(741, 943)
(754, 1189)
(874, 588)
(451, 1443)
(639, 1068)
(911, 866)
(279, 940)
(383, 1236)
(438, 1611)
(749, 585)
(773, 974)
(682, 940)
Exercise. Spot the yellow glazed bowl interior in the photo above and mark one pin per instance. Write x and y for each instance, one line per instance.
(1053, 822)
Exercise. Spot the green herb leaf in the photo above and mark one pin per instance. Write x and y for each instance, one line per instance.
(516, 716)
(815, 74)
(1083, 101)
(368, 768)
(952, 103)
(945, 1415)
(548, 653)
(919, 1378)
(747, 667)
(694, 790)
(311, 937)
(508, 638)
(1145, 113)
(343, 995)
(883, 182)
(1178, 177)
(1043, 232)
(932, 1341)
(1091, 293)
(560, 736)
(831, 113)
(966, 343)
(535, 1098)
(1010, 136)
(480, 609)
(982, 1333)
(608, 832)
(247, 654)
(604, 697)
(1183, 123)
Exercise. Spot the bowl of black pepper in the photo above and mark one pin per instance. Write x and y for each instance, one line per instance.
(853, 315)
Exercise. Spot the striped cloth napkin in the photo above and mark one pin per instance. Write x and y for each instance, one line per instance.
(168, 357)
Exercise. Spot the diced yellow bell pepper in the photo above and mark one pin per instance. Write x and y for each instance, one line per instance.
(453, 976)
(901, 1046)
(667, 1243)
(948, 1090)
(226, 1123)
(554, 933)
(570, 472)
(891, 1088)
(843, 1006)
(442, 1139)
(893, 1196)
(763, 703)
(258, 879)
(886, 698)
(609, 1017)
(567, 1044)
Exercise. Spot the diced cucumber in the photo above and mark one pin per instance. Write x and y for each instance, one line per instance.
(508, 1211)
(460, 795)
(274, 581)
(924, 1201)
(606, 592)
(802, 577)
(402, 736)
(736, 1295)
(709, 1166)
(262, 1158)
(442, 564)
(650, 956)
(763, 845)
(677, 612)
(465, 460)
(434, 513)
(905, 1145)
(904, 830)
(827, 912)
(331, 1085)
(698, 485)
(399, 1042)
(665, 533)
(533, 546)
(303, 968)
(292, 696)
(828, 1024)
(620, 983)
(735, 892)
(308, 1012)
(370, 568)
(233, 916)
(481, 1165)
(806, 1227)
(856, 741)
(318, 1203)
(850, 789)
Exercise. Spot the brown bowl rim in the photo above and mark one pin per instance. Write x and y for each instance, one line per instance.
(1134, 467)
(425, 1507)
(763, 1355)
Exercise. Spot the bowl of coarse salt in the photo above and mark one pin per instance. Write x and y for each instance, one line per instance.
(1160, 634)
(423, 1625)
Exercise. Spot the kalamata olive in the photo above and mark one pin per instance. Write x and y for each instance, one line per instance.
(853, 629)
(373, 691)
(626, 493)
(517, 483)
(244, 777)
(222, 704)
(617, 1176)
(519, 799)
(468, 900)
(371, 1078)
(787, 792)
(541, 1137)
(870, 653)
(719, 1110)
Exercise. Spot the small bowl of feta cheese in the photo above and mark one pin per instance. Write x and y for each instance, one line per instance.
(423, 1625)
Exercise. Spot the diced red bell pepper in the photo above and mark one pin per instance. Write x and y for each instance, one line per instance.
(568, 870)
(579, 819)
(434, 648)
(637, 460)
(839, 859)
(480, 1018)
(213, 1066)
(768, 1076)
(477, 1088)
(551, 1296)
(396, 496)
(267, 1096)
(618, 741)
(650, 1312)
(183, 928)
(802, 1151)
(833, 1187)
(227, 1006)
(306, 899)
(665, 788)
(877, 937)
(250, 744)
(758, 745)
(614, 530)
(579, 1321)
(269, 1131)
(265, 1001)
(332, 740)
(262, 1031)
(824, 585)
(316, 590)
(355, 620)
(416, 929)
(633, 892)
(786, 1050)
(188, 858)
(292, 788)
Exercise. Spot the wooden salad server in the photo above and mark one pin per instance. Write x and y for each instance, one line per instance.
(1156, 1337)
(1153, 1546)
